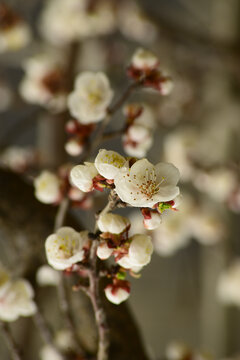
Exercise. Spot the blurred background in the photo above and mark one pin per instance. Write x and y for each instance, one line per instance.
(190, 292)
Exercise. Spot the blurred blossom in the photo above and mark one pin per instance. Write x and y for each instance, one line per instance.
(134, 24)
(177, 351)
(16, 297)
(46, 276)
(74, 147)
(64, 340)
(179, 148)
(47, 187)
(172, 108)
(17, 158)
(14, 32)
(44, 82)
(65, 21)
(91, 97)
(173, 233)
(138, 137)
(219, 183)
(228, 289)
(48, 352)
(201, 222)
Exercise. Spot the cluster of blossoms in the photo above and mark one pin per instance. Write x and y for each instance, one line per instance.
(51, 188)
(138, 135)
(133, 182)
(44, 82)
(65, 21)
(16, 297)
(137, 183)
(14, 32)
(144, 68)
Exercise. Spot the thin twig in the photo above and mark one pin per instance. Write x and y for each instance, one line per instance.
(100, 316)
(12, 345)
(112, 110)
(94, 293)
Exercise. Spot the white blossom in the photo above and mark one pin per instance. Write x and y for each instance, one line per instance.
(16, 300)
(62, 21)
(44, 81)
(174, 232)
(153, 222)
(207, 226)
(15, 37)
(73, 147)
(103, 251)
(116, 296)
(228, 289)
(144, 59)
(65, 247)
(46, 276)
(82, 176)
(48, 352)
(47, 187)
(218, 183)
(17, 158)
(112, 223)
(108, 163)
(91, 97)
(144, 185)
(180, 147)
(139, 253)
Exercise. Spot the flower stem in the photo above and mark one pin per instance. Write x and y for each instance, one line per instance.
(100, 316)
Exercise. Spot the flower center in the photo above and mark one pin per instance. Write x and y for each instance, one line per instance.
(64, 247)
(149, 185)
(94, 98)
